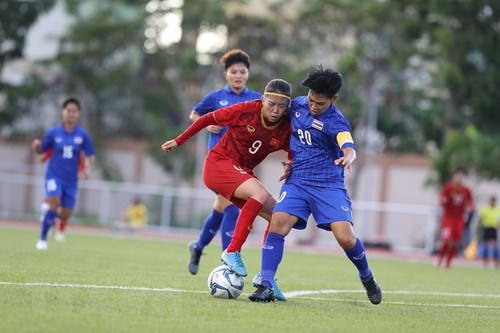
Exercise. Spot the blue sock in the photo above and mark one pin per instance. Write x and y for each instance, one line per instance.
(272, 253)
(210, 228)
(47, 222)
(358, 257)
(228, 224)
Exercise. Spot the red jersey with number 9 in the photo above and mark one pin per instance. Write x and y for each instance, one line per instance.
(249, 138)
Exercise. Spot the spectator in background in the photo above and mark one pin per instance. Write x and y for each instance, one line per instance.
(456, 201)
(136, 216)
(489, 217)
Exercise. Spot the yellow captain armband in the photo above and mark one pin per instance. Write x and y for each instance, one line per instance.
(343, 138)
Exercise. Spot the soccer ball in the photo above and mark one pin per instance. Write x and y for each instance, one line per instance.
(223, 283)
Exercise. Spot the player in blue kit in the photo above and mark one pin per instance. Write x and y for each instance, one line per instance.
(322, 148)
(66, 141)
(224, 215)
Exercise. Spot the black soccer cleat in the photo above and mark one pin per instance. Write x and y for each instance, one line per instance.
(194, 258)
(263, 294)
(373, 290)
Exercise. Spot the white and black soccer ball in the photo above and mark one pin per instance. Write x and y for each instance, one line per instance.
(223, 283)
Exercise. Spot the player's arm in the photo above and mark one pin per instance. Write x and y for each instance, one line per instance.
(195, 127)
(194, 116)
(346, 144)
(88, 162)
(36, 146)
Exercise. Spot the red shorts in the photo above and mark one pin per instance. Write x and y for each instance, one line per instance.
(452, 229)
(222, 176)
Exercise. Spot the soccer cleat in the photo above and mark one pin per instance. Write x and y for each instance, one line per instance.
(194, 258)
(263, 294)
(41, 245)
(234, 262)
(60, 237)
(373, 290)
(257, 281)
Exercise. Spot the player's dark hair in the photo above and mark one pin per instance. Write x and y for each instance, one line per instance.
(279, 86)
(323, 81)
(70, 100)
(235, 56)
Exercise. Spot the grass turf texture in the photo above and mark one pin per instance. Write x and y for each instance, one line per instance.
(101, 279)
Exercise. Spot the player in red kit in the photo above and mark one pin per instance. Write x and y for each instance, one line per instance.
(255, 129)
(456, 201)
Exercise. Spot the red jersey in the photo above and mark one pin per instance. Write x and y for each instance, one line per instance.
(249, 138)
(456, 200)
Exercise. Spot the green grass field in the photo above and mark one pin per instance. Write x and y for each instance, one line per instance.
(111, 284)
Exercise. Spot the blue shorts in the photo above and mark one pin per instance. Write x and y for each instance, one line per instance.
(327, 205)
(66, 191)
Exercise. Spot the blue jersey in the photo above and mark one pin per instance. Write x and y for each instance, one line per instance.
(316, 143)
(221, 98)
(66, 148)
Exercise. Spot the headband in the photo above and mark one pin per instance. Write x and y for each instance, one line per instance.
(276, 94)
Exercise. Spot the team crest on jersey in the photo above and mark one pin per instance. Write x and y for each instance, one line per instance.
(317, 124)
(251, 129)
(78, 140)
(297, 114)
(58, 139)
(223, 102)
(275, 142)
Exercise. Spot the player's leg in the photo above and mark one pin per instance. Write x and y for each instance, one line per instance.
(68, 203)
(455, 238)
(290, 209)
(445, 243)
(210, 228)
(231, 213)
(53, 192)
(331, 207)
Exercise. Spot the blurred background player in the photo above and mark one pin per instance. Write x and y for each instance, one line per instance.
(489, 217)
(224, 215)
(322, 148)
(66, 141)
(136, 216)
(456, 202)
(59, 223)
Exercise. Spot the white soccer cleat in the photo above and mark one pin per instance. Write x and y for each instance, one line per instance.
(60, 237)
(41, 245)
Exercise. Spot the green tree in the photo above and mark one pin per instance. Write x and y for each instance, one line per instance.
(16, 18)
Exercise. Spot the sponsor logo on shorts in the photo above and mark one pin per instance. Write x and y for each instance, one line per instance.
(282, 196)
(275, 142)
(268, 247)
(344, 208)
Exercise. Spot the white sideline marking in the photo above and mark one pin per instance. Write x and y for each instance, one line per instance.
(94, 286)
(403, 292)
(300, 294)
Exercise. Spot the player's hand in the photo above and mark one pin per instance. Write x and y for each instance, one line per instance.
(36, 145)
(347, 159)
(84, 173)
(168, 146)
(286, 170)
(214, 129)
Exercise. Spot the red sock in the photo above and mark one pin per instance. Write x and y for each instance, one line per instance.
(248, 213)
(451, 253)
(62, 225)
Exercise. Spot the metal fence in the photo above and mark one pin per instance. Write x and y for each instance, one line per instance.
(404, 227)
